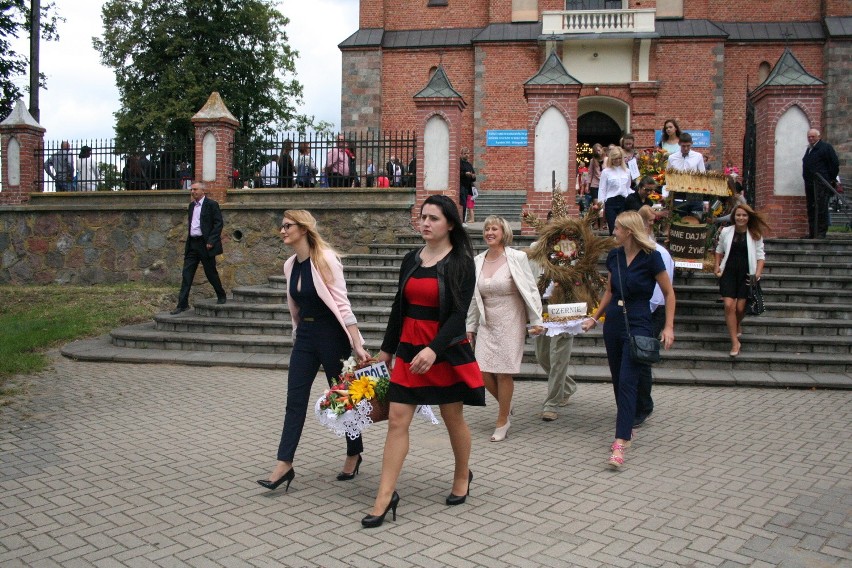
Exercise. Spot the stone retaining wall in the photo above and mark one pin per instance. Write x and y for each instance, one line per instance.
(112, 238)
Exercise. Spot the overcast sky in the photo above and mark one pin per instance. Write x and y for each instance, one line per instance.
(81, 97)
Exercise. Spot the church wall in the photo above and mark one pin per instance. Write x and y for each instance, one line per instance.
(418, 15)
(409, 70)
(741, 74)
(687, 80)
(501, 106)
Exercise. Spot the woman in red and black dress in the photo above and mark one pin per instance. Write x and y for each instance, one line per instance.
(434, 360)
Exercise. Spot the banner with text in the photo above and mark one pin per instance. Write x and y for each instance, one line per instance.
(688, 244)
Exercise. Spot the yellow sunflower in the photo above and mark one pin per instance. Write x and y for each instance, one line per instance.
(360, 389)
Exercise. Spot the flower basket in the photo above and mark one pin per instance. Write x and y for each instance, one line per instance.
(379, 411)
(358, 399)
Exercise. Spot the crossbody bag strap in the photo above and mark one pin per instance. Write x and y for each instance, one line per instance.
(621, 281)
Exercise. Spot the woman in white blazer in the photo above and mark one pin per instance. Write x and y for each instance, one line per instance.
(505, 299)
(325, 332)
(739, 258)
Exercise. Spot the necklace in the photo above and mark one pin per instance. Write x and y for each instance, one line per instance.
(433, 257)
(485, 258)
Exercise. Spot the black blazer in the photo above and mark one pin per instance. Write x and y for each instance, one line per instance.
(211, 225)
(822, 159)
(451, 320)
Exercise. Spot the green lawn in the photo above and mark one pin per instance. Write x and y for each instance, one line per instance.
(35, 318)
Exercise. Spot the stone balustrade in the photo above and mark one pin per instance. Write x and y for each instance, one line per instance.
(598, 21)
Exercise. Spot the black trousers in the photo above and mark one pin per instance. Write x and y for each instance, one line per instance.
(317, 343)
(644, 402)
(817, 202)
(197, 253)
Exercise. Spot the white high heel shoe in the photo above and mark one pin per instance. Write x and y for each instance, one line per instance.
(501, 432)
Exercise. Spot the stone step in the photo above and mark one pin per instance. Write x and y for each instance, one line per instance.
(799, 255)
(808, 268)
(146, 336)
(100, 349)
(688, 307)
(771, 279)
(199, 322)
(774, 293)
(768, 325)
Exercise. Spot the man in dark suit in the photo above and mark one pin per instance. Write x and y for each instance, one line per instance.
(820, 158)
(203, 243)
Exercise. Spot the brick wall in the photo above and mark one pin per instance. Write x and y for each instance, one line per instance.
(406, 72)
(371, 14)
(500, 105)
(417, 15)
(687, 79)
(787, 214)
(30, 141)
(741, 72)
(762, 11)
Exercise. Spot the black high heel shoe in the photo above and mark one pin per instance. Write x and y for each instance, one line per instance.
(271, 485)
(373, 521)
(343, 476)
(459, 499)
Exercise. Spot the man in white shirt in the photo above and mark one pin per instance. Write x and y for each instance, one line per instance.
(687, 159)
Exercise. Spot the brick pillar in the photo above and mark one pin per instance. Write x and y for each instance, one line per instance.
(215, 130)
(539, 99)
(22, 138)
(450, 109)
(787, 214)
(643, 112)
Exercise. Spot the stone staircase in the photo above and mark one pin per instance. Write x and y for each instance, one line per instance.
(506, 204)
(807, 326)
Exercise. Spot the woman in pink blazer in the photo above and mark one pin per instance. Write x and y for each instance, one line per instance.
(325, 332)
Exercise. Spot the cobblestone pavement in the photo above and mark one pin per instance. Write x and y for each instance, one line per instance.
(155, 465)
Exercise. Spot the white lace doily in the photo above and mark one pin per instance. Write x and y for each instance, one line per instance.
(553, 328)
(352, 422)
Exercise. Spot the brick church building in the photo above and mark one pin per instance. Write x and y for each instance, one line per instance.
(524, 81)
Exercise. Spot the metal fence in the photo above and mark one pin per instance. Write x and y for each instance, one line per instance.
(305, 160)
(100, 165)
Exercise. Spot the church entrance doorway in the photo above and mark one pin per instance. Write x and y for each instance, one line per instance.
(596, 127)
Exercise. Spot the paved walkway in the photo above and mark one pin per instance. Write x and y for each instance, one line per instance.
(154, 465)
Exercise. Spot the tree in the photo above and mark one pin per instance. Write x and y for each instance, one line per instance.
(169, 55)
(14, 22)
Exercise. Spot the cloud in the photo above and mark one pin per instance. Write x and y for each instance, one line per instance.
(81, 97)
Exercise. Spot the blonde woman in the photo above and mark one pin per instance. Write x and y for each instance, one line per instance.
(504, 300)
(739, 258)
(614, 186)
(325, 332)
(634, 268)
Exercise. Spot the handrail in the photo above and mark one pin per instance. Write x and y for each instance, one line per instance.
(842, 201)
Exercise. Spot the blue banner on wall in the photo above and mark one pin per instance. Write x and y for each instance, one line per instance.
(506, 138)
(700, 138)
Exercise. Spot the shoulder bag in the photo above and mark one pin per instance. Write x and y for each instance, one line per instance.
(754, 302)
(645, 350)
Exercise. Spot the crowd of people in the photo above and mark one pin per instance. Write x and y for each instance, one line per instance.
(457, 329)
(92, 170)
(340, 168)
(459, 321)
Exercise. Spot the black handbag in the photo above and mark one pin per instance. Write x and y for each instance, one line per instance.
(643, 349)
(754, 302)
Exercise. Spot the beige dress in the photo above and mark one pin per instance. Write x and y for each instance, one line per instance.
(500, 339)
